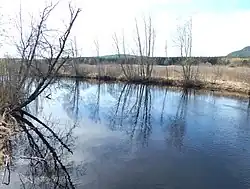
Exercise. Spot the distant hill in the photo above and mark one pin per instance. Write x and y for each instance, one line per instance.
(243, 53)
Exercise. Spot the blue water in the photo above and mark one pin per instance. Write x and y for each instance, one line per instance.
(135, 136)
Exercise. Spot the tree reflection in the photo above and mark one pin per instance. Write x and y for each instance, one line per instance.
(95, 113)
(163, 107)
(177, 123)
(39, 154)
(36, 163)
(36, 107)
(133, 112)
(71, 99)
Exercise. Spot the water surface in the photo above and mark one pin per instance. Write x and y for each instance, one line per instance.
(143, 137)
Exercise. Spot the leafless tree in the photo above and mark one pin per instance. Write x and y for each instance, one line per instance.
(39, 48)
(97, 47)
(75, 54)
(147, 50)
(145, 44)
(166, 60)
(166, 48)
(183, 41)
(1, 30)
(40, 60)
(126, 62)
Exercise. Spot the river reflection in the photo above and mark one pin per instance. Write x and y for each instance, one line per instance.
(175, 129)
(32, 164)
(132, 112)
(138, 136)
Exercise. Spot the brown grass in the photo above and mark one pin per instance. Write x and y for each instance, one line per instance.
(224, 78)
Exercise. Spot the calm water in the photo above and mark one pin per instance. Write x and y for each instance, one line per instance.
(141, 137)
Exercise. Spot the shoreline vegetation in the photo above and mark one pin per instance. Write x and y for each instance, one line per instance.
(45, 53)
(220, 78)
(24, 135)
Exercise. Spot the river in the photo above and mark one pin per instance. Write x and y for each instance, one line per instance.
(145, 137)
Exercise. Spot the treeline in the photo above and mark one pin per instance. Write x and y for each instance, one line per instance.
(156, 60)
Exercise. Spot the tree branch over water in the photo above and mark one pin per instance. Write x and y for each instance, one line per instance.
(26, 78)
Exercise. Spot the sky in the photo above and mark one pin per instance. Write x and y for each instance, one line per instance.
(219, 26)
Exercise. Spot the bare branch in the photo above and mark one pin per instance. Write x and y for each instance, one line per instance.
(183, 39)
(53, 61)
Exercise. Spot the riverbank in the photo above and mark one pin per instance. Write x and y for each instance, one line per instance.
(220, 87)
(206, 77)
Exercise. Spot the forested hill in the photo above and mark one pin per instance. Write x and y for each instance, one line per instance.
(243, 53)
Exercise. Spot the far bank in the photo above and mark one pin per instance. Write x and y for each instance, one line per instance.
(222, 79)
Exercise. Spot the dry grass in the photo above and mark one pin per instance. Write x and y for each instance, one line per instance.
(208, 73)
(8, 82)
(233, 79)
(9, 97)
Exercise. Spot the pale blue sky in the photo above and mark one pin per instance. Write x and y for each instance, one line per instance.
(203, 5)
(219, 26)
(222, 5)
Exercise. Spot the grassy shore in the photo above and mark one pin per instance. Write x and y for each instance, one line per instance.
(217, 78)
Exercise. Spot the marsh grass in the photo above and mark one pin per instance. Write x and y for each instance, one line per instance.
(8, 85)
(9, 97)
(218, 77)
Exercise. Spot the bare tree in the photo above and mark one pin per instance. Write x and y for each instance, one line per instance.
(1, 29)
(190, 31)
(147, 50)
(97, 47)
(39, 45)
(127, 63)
(183, 41)
(145, 44)
(75, 54)
(40, 60)
(166, 59)
(166, 48)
